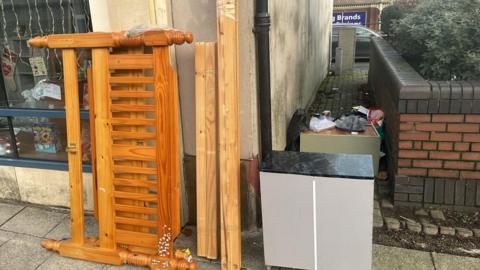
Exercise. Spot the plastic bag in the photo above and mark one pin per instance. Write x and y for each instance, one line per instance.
(142, 28)
(319, 123)
(351, 123)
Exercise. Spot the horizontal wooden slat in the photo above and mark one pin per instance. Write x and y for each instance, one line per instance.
(130, 169)
(120, 151)
(133, 135)
(130, 79)
(135, 209)
(136, 238)
(136, 221)
(132, 122)
(132, 108)
(131, 61)
(135, 196)
(134, 183)
(131, 94)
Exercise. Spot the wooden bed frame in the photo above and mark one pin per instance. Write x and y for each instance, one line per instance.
(134, 122)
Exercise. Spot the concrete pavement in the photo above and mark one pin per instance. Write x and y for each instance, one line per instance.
(23, 227)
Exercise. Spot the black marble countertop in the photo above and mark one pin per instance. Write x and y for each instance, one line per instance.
(321, 164)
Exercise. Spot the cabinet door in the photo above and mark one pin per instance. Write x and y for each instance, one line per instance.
(344, 216)
(288, 220)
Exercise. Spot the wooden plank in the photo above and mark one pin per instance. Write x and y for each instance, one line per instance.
(135, 196)
(74, 143)
(200, 146)
(132, 169)
(89, 251)
(91, 113)
(106, 225)
(206, 145)
(135, 209)
(132, 122)
(126, 61)
(136, 238)
(136, 222)
(132, 108)
(131, 94)
(131, 79)
(133, 135)
(135, 182)
(229, 150)
(175, 155)
(120, 151)
(165, 123)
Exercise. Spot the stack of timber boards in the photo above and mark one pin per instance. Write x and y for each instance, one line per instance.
(218, 136)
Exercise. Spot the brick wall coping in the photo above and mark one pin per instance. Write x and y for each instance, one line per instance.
(413, 94)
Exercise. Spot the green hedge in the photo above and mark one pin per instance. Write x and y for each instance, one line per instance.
(441, 39)
(389, 15)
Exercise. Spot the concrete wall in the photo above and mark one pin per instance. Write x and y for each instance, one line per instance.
(299, 57)
(47, 187)
(199, 17)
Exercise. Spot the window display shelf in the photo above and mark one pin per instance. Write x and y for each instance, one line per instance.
(39, 113)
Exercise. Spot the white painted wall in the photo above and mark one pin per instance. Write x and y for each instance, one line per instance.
(299, 57)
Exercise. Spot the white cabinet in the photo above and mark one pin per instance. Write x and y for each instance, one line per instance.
(313, 222)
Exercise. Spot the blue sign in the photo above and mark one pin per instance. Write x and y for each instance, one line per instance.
(351, 17)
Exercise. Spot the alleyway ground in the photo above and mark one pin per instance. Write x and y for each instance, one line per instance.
(23, 227)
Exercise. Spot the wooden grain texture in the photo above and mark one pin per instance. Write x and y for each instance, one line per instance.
(164, 125)
(74, 142)
(103, 153)
(229, 150)
(206, 150)
(118, 132)
(116, 39)
(93, 157)
(135, 141)
(129, 61)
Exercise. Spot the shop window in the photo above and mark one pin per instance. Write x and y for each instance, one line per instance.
(45, 138)
(32, 96)
(6, 144)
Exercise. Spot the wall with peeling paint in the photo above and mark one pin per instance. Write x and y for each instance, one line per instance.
(299, 57)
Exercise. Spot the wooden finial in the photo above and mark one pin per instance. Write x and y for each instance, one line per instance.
(178, 37)
(38, 42)
(53, 245)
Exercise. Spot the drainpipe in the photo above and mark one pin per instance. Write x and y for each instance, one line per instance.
(262, 29)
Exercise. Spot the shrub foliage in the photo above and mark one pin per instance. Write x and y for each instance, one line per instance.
(441, 39)
(389, 15)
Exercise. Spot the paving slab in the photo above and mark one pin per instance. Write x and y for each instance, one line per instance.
(252, 250)
(393, 258)
(56, 262)
(23, 252)
(125, 267)
(33, 221)
(5, 236)
(62, 230)
(8, 210)
(211, 265)
(452, 262)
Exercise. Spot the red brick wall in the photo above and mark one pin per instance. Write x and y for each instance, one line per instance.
(439, 146)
